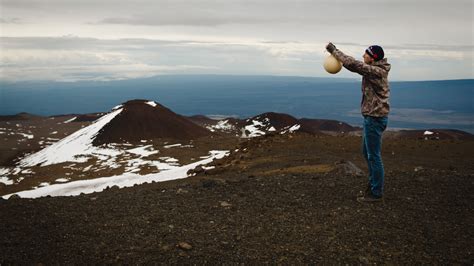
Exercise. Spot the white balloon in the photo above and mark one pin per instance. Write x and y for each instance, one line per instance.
(332, 65)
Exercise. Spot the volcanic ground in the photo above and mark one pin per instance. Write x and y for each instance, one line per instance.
(285, 197)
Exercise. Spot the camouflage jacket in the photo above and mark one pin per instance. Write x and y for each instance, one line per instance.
(375, 88)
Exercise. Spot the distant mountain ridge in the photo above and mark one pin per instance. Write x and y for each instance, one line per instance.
(142, 119)
(19, 116)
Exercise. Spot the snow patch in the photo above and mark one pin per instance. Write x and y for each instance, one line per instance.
(27, 171)
(70, 120)
(253, 130)
(170, 159)
(4, 171)
(427, 133)
(222, 125)
(28, 136)
(117, 107)
(172, 145)
(294, 128)
(143, 151)
(151, 103)
(5, 180)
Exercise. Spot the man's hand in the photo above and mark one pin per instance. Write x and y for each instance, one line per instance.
(330, 47)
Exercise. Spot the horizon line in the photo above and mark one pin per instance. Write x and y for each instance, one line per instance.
(228, 75)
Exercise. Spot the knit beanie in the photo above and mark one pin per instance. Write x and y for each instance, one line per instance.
(376, 52)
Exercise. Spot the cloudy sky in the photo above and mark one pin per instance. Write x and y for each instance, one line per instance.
(71, 40)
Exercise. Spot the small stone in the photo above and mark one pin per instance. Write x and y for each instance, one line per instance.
(184, 246)
(181, 191)
(93, 198)
(225, 204)
(348, 168)
(419, 168)
(420, 178)
(209, 183)
(364, 260)
(14, 196)
(197, 170)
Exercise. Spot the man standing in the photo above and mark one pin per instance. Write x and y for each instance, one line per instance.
(374, 107)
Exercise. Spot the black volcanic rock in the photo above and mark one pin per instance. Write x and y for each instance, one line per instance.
(140, 120)
(316, 125)
(278, 120)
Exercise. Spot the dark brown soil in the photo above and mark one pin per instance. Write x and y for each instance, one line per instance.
(314, 125)
(278, 199)
(140, 121)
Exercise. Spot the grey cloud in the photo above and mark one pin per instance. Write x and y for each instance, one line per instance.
(10, 20)
(75, 43)
(170, 21)
(40, 58)
(189, 20)
(396, 22)
(431, 47)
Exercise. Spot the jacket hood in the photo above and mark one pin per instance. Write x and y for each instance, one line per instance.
(383, 64)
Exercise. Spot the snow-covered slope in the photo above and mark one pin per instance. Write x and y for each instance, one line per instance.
(126, 180)
(76, 147)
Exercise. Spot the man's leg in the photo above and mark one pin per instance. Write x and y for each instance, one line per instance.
(374, 129)
(366, 156)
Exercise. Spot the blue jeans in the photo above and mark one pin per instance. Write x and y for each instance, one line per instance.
(372, 146)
